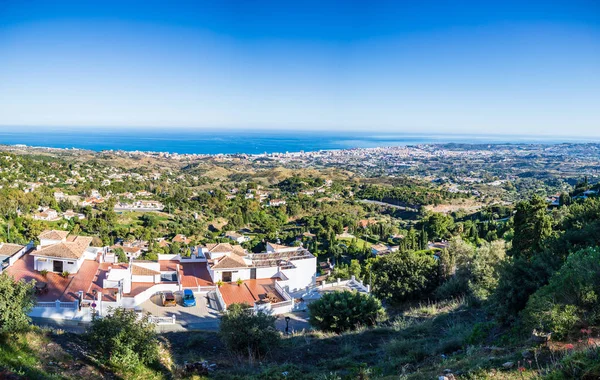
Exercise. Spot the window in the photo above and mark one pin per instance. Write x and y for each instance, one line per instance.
(70, 262)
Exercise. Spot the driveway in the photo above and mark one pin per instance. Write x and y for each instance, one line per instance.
(199, 317)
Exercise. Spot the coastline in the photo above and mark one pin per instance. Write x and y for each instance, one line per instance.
(257, 144)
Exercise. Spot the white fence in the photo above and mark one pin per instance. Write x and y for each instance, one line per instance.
(282, 291)
(202, 289)
(182, 259)
(58, 304)
(352, 283)
(163, 320)
(282, 307)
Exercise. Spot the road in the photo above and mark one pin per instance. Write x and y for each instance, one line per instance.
(404, 208)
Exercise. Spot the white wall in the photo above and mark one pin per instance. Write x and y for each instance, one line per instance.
(153, 279)
(49, 264)
(243, 274)
(13, 259)
(266, 272)
(303, 275)
(45, 242)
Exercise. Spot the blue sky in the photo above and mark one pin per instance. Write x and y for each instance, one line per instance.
(422, 66)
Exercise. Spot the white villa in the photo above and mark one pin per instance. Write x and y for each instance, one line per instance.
(237, 237)
(293, 267)
(59, 252)
(278, 280)
(10, 253)
(46, 214)
(70, 214)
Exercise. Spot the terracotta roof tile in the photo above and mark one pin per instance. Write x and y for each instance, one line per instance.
(54, 235)
(65, 250)
(233, 261)
(7, 249)
(137, 270)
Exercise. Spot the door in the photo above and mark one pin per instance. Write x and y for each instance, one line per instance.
(226, 276)
(253, 273)
(57, 266)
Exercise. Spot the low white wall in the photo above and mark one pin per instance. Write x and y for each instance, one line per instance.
(155, 279)
(13, 259)
(130, 302)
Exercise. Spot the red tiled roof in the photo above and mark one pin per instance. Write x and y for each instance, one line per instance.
(226, 262)
(194, 274)
(54, 235)
(23, 270)
(137, 270)
(168, 265)
(249, 292)
(65, 250)
(82, 280)
(8, 249)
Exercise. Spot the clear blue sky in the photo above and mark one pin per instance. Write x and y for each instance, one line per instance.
(523, 67)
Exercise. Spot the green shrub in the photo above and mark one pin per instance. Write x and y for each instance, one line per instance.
(477, 270)
(570, 298)
(399, 347)
(583, 364)
(124, 340)
(247, 333)
(404, 276)
(479, 332)
(341, 311)
(16, 299)
(452, 288)
(121, 256)
(519, 279)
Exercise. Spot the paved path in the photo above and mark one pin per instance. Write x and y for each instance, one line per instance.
(199, 317)
(405, 208)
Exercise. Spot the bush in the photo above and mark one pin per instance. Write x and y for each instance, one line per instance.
(404, 276)
(341, 311)
(583, 364)
(519, 279)
(121, 256)
(454, 287)
(123, 340)
(477, 270)
(247, 333)
(16, 299)
(570, 298)
(480, 333)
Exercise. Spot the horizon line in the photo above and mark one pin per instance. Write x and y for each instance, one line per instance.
(304, 129)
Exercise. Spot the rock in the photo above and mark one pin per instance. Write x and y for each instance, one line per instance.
(443, 378)
(508, 365)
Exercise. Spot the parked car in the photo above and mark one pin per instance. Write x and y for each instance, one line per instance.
(168, 299)
(188, 298)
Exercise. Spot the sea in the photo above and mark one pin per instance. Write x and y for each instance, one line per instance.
(233, 141)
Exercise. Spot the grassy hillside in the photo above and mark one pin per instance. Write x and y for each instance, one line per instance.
(423, 342)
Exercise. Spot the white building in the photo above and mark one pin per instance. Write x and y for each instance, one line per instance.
(58, 252)
(237, 237)
(294, 267)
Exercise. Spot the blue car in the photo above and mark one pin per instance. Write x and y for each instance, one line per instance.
(188, 298)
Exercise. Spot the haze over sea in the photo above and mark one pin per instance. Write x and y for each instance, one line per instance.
(243, 141)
